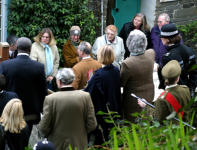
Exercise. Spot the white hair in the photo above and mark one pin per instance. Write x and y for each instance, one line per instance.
(136, 42)
(65, 75)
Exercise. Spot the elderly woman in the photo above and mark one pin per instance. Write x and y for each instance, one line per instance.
(136, 73)
(104, 87)
(138, 22)
(13, 126)
(110, 38)
(44, 50)
(69, 51)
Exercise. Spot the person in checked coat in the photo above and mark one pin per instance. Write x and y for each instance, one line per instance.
(68, 115)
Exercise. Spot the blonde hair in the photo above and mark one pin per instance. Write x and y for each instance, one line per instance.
(112, 28)
(43, 31)
(106, 55)
(144, 26)
(12, 116)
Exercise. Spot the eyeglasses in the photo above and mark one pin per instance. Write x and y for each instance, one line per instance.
(47, 37)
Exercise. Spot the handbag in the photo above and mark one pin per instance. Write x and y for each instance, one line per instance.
(3, 141)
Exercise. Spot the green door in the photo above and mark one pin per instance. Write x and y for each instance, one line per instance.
(124, 11)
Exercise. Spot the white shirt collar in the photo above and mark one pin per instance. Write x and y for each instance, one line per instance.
(171, 86)
(1, 91)
(86, 57)
(23, 54)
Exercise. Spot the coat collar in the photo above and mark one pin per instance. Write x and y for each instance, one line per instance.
(67, 89)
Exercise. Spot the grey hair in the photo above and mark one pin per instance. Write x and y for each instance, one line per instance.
(136, 42)
(65, 75)
(11, 39)
(24, 44)
(85, 47)
(167, 17)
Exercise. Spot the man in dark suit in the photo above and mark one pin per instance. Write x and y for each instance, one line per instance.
(11, 39)
(27, 78)
(5, 96)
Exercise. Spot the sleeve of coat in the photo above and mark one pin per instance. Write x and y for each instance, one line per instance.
(45, 124)
(56, 62)
(91, 122)
(161, 110)
(122, 52)
(33, 53)
(70, 61)
(94, 49)
(77, 80)
(123, 74)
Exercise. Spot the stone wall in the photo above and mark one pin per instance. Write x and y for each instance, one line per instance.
(180, 11)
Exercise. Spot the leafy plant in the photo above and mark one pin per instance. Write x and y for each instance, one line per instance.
(27, 18)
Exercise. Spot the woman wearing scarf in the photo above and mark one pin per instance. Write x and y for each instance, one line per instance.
(69, 51)
(44, 50)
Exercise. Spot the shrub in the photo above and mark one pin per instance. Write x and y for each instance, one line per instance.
(28, 17)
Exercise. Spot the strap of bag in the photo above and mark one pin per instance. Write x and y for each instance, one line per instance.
(174, 103)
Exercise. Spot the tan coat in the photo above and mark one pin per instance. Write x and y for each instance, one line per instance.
(38, 54)
(136, 77)
(70, 54)
(83, 71)
(67, 118)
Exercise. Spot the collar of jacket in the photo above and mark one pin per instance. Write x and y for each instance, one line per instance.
(168, 48)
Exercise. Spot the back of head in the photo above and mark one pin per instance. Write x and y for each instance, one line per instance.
(65, 75)
(12, 116)
(24, 44)
(85, 47)
(171, 71)
(2, 81)
(11, 39)
(136, 42)
(106, 55)
(44, 145)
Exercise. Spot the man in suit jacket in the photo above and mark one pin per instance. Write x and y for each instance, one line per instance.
(11, 39)
(27, 78)
(5, 96)
(68, 115)
(86, 67)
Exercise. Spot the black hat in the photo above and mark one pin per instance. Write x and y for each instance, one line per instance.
(168, 30)
(44, 145)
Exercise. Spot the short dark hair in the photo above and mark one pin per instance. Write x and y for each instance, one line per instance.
(170, 81)
(24, 44)
(174, 39)
(11, 39)
(2, 81)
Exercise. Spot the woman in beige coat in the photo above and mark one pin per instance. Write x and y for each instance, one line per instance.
(137, 73)
(44, 50)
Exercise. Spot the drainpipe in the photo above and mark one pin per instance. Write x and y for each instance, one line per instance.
(101, 17)
(3, 20)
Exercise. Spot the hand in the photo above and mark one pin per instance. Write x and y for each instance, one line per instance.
(140, 103)
(49, 78)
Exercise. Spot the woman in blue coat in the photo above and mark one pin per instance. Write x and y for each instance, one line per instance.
(104, 87)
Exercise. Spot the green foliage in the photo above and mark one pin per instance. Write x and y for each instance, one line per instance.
(189, 33)
(27, 18)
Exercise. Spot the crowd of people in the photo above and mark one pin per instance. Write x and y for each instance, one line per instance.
(95, 78)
